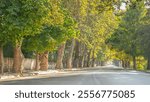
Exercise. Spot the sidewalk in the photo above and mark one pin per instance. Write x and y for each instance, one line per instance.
(31, 74)
(40, 74)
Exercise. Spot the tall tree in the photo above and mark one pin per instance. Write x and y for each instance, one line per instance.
(98, 25)
(77, 10)
(52, 35)
(22, 18)
(68, 33)
(125, 37)
(144, 38)
(2, 42)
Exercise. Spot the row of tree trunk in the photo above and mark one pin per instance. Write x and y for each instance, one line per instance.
(41, 60)
(77, 56)
(17, 62)
(126, 64)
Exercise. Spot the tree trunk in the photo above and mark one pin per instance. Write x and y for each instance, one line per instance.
(77, 52)
(82, 56)
(134, 62)
(18, 60)
(148, 63)
(60, 54)
(81, 59)
(1, 60)
(93, 62)
(85, 59)
(128, 64)
(70, 54)
(93, 59)
(37, 65)
(123, 63)
(88, 59)
(44, 61)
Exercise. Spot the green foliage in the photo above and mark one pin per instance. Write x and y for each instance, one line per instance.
(8, 50)
(97, 27)
(42, 25)
(39, 43)
(106, 5)
(52, 35)
(23, 17)
(144, 35)
(132, 35)
(76, 8)
(95, 19)
(125, 37)
(141, 63)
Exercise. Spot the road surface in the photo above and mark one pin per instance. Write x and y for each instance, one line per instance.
(98, 76)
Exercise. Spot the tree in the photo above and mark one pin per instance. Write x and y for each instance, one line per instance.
(68, 32)
(22, 18)
(77, 10)
(51, 36)
(125, 37)
(143, 38)
(40, 44)
(145, 44)
(2, 42)
(98, 25)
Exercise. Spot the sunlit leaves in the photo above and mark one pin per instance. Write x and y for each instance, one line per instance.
(53, 33)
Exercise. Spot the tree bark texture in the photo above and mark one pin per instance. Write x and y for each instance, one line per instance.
(18, 60)
(122, 63)
(70, 55)
(82, 55)
(134, 63)
(93, 59)
(60, 54)
(77, 52)
(1, 60)
(85, 59)
(37, 65)
(89, 59)
(44, 61)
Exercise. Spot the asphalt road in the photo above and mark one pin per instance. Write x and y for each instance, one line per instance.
(105, 76)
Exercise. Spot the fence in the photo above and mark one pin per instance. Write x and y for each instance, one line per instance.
(29, 64)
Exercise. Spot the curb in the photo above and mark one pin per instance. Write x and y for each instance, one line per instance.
(36, 76)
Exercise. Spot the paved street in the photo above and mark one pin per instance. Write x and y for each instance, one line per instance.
(99, 76)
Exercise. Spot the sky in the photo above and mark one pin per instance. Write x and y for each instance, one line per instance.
(123, 7)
